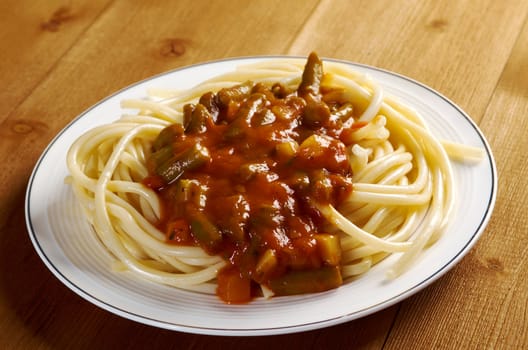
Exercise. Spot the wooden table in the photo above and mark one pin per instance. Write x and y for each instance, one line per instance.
(60, 57)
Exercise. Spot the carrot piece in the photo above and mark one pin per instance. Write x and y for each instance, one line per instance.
(233, 288)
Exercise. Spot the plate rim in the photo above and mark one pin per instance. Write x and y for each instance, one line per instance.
(462, 251)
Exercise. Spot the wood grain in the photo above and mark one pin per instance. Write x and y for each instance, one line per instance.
(60, 57)
(33, 39)
(456, 47)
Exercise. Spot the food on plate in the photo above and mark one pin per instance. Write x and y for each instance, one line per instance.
(278, 178)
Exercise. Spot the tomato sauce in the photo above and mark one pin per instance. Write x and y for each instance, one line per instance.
(241, 178)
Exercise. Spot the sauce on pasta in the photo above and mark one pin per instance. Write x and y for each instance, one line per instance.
(270, 179)
(241, 177)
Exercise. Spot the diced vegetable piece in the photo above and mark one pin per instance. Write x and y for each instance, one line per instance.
(161, 156)
(188, 110)
(299, 180)
(247, 256)
(329, 248)
(167, 136)
(209, 100)
(194, 157)
(328, 188)
(307, 281)
(232, 287)
(263, 90)
(266, 264)
(280, 91)
(196, 121)
(250, 107)
(239, 214)
(287, 150)
(236, 93)
(236, 129)
(316, 115)
(263, 117)
(230, 111)
(322, 189)
(291, 109)
(203, 230)
(311, 77)
(315, 143)
(312, 151)
(190, 190)
(321, 151)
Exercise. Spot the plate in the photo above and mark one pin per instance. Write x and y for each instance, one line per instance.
(67, 245)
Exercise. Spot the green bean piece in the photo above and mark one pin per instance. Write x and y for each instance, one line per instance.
(236, 129)
(311, 77)
(192, 191)
(235, 93)
(190, 159)
(188, 111)
(162, 155)
(166, 136)
(203, 230)
(251, 106)
(210, 101)
(236, 222)
(196, 121)
(307, 281)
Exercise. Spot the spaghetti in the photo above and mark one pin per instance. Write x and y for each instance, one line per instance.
(400, 199)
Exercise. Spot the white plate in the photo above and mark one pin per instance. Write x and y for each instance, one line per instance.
(66, 243)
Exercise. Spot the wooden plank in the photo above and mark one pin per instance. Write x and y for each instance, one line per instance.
(484, 300)
(97, 329)
(132, 40)
(33, 37)
(435, 42)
